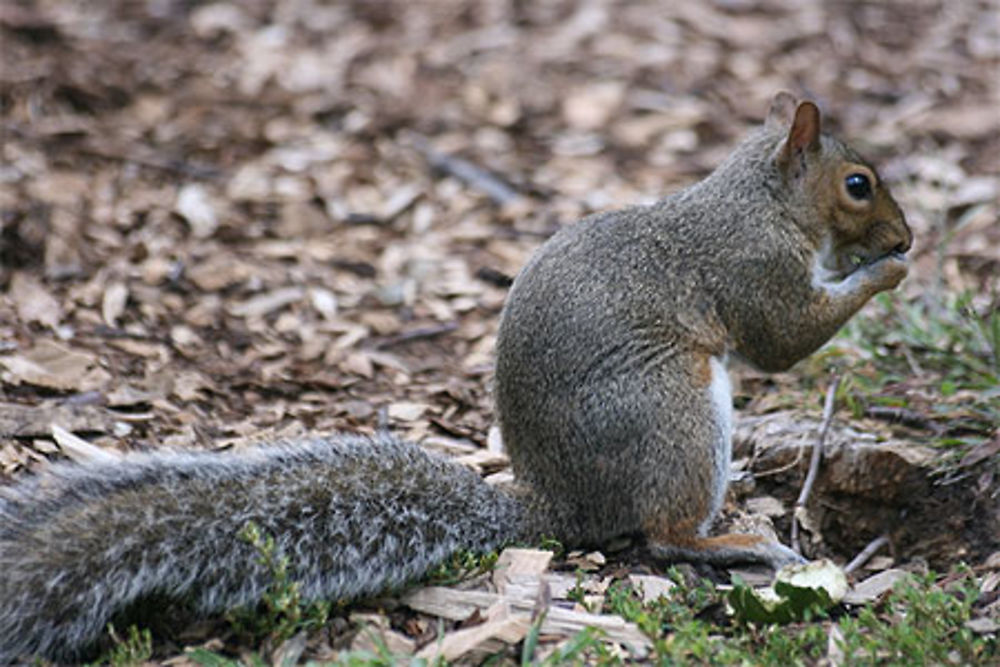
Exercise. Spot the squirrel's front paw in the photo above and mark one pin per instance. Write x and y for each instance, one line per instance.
(887, 272)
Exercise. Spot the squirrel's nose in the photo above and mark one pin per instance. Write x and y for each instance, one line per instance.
(903, 246)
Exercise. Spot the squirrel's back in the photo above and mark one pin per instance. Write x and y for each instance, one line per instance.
(352, 514)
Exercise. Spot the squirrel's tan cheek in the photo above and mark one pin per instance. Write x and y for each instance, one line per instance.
(879, 239)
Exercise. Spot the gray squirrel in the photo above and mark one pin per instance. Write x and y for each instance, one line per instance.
(611, 391)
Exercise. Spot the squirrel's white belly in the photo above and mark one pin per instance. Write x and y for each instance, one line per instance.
(721, 394)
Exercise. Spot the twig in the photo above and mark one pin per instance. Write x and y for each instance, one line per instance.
(494, 277)
(472, 175)
(382, 422)
(115, 333)
(152, 160)
(417, 334)
(782, 468)
(904, 416)
(912, 361)
(817, 455)
(866, 553)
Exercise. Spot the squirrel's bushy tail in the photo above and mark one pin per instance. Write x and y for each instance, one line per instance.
(352, 514)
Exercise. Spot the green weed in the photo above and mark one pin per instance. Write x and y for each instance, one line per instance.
(281, 612)
(462, 565)
(133, 649)
(920, 624)
(933, 361)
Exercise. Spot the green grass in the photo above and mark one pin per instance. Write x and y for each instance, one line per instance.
(919, 624)
(934, 363)
(281, 612)
(461, 565)
(133, 649)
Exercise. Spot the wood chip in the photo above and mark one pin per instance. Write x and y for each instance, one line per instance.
(501, 623)
(80, 450)
(52, 365)
(264, 304)
(651, 587)
(113, 303)
(514, 564)
(874, 587)
(33, 302)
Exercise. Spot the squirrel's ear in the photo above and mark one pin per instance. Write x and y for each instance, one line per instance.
(782, 109)
(803, 136)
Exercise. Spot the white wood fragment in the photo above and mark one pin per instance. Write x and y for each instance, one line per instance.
(79, 450)
(459, 605)
(266, 303)
(500, 624)
(519, 564)
(874, 586)
(651, 587)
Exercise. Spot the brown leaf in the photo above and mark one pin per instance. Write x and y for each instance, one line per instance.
(49, 364)
(981, 452)
(113, 303)
(33, 302)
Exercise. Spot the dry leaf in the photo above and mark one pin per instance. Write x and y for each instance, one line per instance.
(407, 411)
(113, 303)
(33, 302)
(651, 587)
(195, 205)
(81, 451)
(264, 304)
(874, 587)
(592, 106)
(55, 366)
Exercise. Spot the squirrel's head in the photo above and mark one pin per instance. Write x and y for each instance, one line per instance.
(854, 219)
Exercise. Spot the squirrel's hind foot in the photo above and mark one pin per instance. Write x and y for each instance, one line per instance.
(728, 550)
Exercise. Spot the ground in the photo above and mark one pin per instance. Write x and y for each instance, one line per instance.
(222, 221)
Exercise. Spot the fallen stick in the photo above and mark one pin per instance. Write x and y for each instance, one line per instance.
(866, 553)
(904, 416)
(471, 174)
(417, 334)
(814, 461)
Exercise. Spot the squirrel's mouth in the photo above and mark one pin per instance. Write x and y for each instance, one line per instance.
(835, 267)
(835, 263)
(854, 259)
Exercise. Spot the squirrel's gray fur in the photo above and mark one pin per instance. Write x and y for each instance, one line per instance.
(608, 335)
(612, 396)
(81, 542)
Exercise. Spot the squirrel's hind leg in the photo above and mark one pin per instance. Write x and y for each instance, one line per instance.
(676, 528)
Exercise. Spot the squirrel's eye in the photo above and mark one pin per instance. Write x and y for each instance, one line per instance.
(858, 186)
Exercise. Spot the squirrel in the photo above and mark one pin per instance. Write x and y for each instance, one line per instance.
(612, 396)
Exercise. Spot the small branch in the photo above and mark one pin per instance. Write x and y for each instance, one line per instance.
(912, 361)
(382, 422)
(904, 416)
(866, 553)
(494, 277)
(151, 160)
(817, 456)
(471, 174)
(794, 463)
(417, 334)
